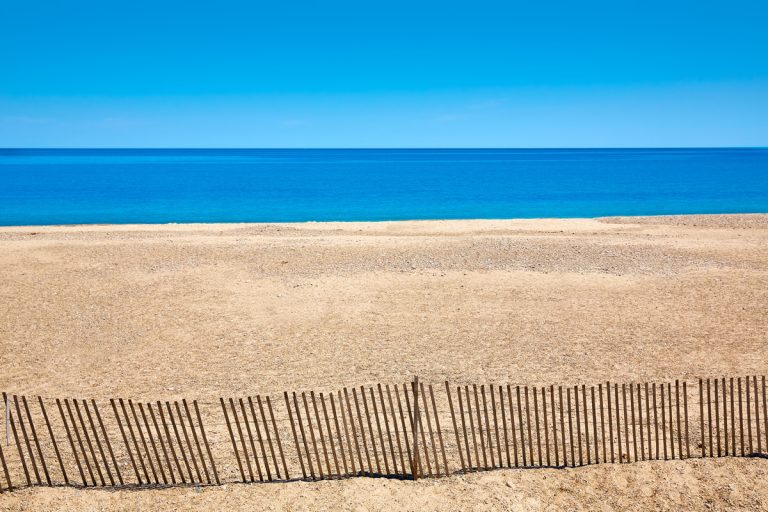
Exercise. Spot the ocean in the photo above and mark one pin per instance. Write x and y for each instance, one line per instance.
(118, 186)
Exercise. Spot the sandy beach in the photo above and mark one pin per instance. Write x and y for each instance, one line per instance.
(172, 311)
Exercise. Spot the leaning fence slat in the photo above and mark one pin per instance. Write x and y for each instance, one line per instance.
(701, 417)
(741, 419)
(386, 426)
(248, 431)
(456, 428)
(354, 429)
(417, 413)
(512, 424)
(394, 426)
(648, 421)
(415, 420)
(20, 421)
(749, 418)
(88, 442)
(80, 440)
(71, 443)
(404, 427)
(594, 424)
(312, 436)
(487, 426)
(562, 424)
(618, 422)
(495, 424)
(190, 448)
(258, 436)
(277, 438)
(98, 443)
(504, 427)
(383, 404)
(143, 440)
(685, 406)
(204, 437)
(472, 427)
(546, 423)
(679, 429)
(295, 437)
(320, 435)
(634, 429)
(439, 432)
(266, 434)
(671, 422)
(169, 439)
(346, 432)
(586, 421)
(53, 440)
(180, 444)
(528, 424)
(717, 418)
(757, 414)
(480, 427)
(554, 424)
(733, 419)
(330, 435)
(725, 416)
(610, 420)
(626, 427)
(370, 431)
(33, 431)
(570, 426)
(232, 438)
(429, 429)
(354, 433)
(153, 444)
(378, 428)
(602, 422)
(464, 428)
(205, 440)
(338, 433)
(640, 420)
(108, 442)
(664, 422)
(578, 424)
(261, 437)
(133, 438)
(361, 424)
(521, 428)
(536, 423)
(303, 436)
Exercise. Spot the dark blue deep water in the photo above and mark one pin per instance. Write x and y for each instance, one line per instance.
(73, 186)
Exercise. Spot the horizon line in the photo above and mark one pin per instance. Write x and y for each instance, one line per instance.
(315, 148)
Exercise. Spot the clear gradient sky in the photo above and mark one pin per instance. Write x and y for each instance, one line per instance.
(224, 73)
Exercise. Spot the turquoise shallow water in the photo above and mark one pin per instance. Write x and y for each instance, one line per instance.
(72, 186)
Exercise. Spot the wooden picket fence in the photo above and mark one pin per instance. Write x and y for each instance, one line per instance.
(408, 431)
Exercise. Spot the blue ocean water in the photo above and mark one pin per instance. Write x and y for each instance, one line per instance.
(73, 186)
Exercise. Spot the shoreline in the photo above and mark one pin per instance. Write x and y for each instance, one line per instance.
(474, 221)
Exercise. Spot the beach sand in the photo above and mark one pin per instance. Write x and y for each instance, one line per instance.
(199, 311)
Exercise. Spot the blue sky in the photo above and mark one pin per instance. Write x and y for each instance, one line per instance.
(383, 74)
